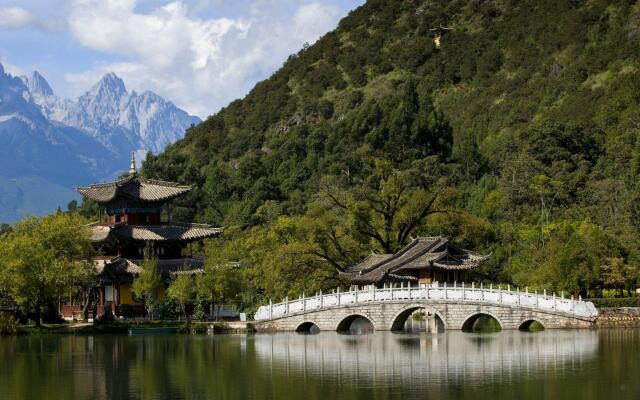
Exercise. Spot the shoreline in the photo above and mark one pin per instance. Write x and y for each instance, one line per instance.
(618, 317)
(609, 317)
(124, 327)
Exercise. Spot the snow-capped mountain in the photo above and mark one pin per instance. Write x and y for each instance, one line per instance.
(120, 120)
(51, 144)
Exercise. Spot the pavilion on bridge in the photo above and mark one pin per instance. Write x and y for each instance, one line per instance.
(424, 260)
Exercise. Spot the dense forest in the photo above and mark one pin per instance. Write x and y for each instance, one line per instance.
(518, 136)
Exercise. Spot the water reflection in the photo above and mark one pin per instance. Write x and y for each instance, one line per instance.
(548, 364)
(454, 357)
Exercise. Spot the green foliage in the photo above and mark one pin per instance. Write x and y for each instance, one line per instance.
(616, 302)
(43, 259)
(182, 291)
(524, 123)
(167, 309)
(486, 324)
(199, 313)
(148, 283)
(221, 281)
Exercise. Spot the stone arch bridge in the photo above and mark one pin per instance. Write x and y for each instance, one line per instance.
(449, 307)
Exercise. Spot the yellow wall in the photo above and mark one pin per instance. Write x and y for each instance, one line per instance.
(126, 296)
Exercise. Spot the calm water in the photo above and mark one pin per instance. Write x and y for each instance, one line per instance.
(601, 364)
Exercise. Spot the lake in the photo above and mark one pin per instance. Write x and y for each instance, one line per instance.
(586, 364)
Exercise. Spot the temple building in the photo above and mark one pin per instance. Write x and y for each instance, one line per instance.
(133, 222)
(424, 260)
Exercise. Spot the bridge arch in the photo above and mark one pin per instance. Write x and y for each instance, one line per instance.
(470, 320)
(308, 327)
(345, 323)
(399, 319)
(526, 324)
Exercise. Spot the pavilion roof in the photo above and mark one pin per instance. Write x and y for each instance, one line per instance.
(424, 252)
(134, 188)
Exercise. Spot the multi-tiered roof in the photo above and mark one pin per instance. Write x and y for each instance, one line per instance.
(423, 253)
(134, 188)
(133, 205)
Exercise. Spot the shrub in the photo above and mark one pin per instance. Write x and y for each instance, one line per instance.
(199, 313)
(168, 309)
(616, 302)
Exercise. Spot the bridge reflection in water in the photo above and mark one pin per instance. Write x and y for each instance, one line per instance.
(388, 359)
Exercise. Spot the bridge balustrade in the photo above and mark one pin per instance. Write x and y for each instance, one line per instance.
(433, 292)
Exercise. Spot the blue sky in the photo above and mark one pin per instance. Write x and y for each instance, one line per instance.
(201, 54)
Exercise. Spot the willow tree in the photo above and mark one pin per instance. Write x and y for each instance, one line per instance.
(43, 259)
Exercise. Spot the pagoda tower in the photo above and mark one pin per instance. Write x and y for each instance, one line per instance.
(132, 223)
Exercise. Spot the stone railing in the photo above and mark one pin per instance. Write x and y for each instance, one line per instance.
(456, 293)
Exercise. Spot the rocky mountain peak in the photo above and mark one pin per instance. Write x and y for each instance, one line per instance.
(109, 88)
(38, 85)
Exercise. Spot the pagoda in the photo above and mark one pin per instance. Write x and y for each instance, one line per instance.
(133, 222)
(423, 261)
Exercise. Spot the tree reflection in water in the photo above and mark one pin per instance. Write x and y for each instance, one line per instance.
(548, 364)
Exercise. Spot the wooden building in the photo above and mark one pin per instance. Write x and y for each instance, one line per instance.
(424, 260)
(132, 223)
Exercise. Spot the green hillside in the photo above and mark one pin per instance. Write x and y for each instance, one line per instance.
(519, 136)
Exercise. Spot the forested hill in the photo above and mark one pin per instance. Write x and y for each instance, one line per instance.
(518, 136)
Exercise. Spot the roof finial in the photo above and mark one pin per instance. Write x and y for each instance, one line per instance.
(132, 168)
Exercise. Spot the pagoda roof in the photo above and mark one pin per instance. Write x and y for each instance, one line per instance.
(109, 267)
(424, 252)
(115, 265)
(134, 188)
(154, 233)
(177, 266)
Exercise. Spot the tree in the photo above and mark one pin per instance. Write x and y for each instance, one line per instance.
(72, 206)
(546, 189)
(148, 283)
(43, 259)
(182, 290)
(87, 286)
(221, 280)
(389, 205)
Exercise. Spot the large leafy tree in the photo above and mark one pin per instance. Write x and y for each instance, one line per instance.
(387, 205)
(220, 283)
(43, 259)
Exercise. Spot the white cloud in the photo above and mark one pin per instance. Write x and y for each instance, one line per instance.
(15, 18)
(200, 64)
(10, 68)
